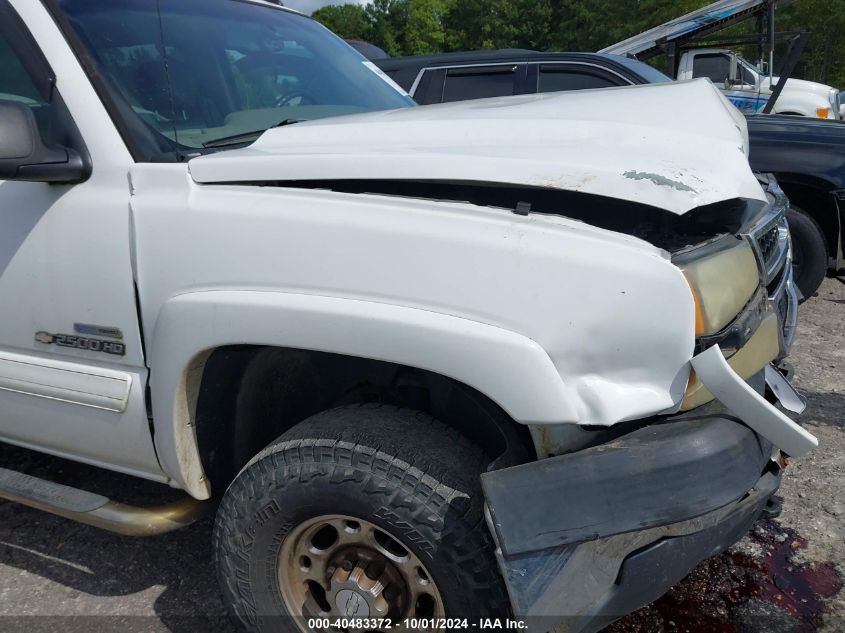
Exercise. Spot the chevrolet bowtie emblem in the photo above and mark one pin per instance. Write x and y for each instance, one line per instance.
(44, 337)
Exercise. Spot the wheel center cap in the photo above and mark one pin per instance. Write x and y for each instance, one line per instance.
(352, 604)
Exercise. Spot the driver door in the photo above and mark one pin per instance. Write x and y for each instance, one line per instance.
(72, 374)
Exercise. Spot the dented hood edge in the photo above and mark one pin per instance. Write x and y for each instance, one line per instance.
(672, 146)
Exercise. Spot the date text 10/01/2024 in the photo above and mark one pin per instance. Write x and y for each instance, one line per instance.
(418, 624)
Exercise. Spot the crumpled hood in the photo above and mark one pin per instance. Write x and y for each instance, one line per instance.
(674, 146)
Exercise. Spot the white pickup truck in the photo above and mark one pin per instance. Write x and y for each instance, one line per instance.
(749, 89)
(514, 357)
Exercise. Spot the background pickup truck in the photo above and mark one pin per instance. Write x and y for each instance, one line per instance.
(749, 88)
(448, 362)
(805, 155)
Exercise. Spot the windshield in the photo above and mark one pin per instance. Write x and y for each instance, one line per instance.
(186, 74)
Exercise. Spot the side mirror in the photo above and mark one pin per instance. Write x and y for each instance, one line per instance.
(733, 74)
(23, 154)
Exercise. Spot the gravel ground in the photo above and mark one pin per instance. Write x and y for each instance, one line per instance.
(785, 576)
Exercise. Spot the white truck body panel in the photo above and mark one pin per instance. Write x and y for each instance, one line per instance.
(801, 97)
(357, 275)
(630, 146)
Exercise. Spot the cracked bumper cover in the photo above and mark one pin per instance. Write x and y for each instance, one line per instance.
(659, 474)
(587, 537)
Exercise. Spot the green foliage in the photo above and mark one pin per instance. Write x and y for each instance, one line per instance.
(414, 27)
(488, 24)
(348, 20)
(824, 57)
(389, 19)
(425, 30)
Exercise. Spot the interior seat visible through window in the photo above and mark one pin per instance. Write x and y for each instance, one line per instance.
(196, 76)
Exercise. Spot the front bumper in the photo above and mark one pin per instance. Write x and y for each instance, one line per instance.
(587, 537)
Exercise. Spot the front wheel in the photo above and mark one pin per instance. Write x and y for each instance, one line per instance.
(809, 251)
(366, 512)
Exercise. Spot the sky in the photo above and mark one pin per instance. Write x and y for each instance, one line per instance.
(308, 6)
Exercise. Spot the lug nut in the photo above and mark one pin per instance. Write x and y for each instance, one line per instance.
(374, 570)
(391, 592)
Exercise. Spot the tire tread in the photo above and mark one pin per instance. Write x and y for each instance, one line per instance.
(406, 459)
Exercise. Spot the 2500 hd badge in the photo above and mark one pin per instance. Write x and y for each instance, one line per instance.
(82, 342)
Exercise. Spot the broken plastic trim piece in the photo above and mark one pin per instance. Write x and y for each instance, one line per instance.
(785, 392)
(732, 391)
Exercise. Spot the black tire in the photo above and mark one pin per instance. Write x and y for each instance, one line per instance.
(398, 469)
(809, 251)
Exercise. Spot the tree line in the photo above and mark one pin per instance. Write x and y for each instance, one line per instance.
(419, 27)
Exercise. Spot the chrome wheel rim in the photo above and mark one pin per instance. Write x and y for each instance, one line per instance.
(341, 567)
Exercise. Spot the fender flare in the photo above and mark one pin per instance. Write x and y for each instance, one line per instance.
(189, 326)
